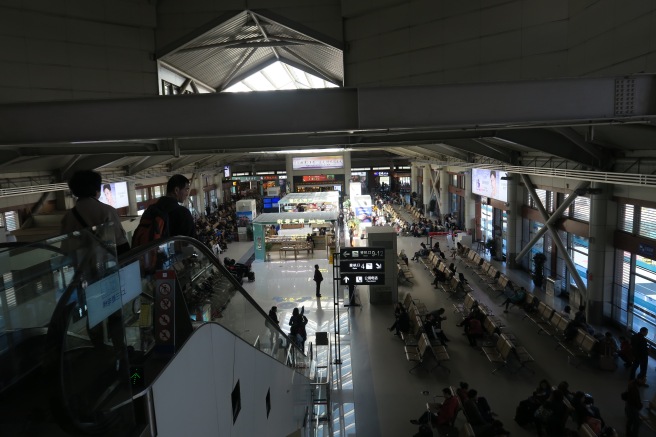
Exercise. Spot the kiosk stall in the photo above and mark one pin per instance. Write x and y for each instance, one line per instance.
(286, 234)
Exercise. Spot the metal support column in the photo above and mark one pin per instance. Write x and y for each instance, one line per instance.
(513, 215)
(570, 264)
(336, 304)
(555, 216)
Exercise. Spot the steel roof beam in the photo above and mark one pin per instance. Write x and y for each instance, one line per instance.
(336, 111)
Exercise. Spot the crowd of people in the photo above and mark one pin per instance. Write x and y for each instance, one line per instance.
(476, 409)
(549, 408)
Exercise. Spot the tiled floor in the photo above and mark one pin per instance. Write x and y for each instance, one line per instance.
(373, 393)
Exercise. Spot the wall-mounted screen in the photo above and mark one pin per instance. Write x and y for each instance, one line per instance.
(317, 162)
(130, 278)
(103, 298)
(490, 183)
(270, 204)
(114, 194)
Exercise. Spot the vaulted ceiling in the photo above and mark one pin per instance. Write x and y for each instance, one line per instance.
(575, 124)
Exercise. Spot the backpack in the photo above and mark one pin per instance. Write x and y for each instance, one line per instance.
(154, 225)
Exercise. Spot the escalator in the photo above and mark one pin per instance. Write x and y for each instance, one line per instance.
(87, 341)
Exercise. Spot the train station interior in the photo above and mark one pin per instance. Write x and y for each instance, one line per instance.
(521, 133)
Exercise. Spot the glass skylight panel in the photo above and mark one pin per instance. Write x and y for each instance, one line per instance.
(238, 88)
(276, 73)
(300, 77)
(279, 77)
(258, 82)
(315, 82)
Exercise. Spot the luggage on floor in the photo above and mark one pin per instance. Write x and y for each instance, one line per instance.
(525, 412)
(607, 361)
(251, 276)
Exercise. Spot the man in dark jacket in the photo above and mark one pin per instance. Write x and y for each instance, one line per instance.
(640, 350)
(180, 220)
(318, 277)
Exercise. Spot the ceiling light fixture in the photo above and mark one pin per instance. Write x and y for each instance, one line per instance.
(304, 151)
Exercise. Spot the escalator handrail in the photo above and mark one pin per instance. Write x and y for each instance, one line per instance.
(135, 254)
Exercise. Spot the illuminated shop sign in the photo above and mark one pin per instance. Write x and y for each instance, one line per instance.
(381, 173)
(319, 178)
(317, 162)
(300, 221)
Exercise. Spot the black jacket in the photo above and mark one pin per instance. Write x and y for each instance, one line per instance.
(180, 220)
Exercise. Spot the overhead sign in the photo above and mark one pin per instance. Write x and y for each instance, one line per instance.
(349, 253)
(362, 266)
(363, 279)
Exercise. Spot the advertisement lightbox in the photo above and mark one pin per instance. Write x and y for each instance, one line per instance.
(490, 183)
(317, 162)
(114, 194)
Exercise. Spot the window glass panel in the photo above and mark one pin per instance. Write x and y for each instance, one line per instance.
(158, 191)
(487, 229)
(542, 195)
(581, 209)
(504, 231)
(550, 201)
(11, 220)
(539, 245)
(625, 218)
(647, 222)
(621, 286)
(141, 194)
(644, 296)
(579, 253)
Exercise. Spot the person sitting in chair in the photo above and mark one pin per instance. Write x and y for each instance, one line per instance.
(516, 299)
(445, 415)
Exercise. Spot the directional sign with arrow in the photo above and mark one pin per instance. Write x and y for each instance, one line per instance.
(363, 279)
(362, 266)
(348, 253)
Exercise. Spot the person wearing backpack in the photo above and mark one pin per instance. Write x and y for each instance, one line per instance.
(166, 217)
(89, 211)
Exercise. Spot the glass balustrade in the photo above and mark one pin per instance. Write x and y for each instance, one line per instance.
(82, 333)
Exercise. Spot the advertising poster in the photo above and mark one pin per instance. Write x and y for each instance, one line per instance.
(362, 207)
(244, 218)
(114, 194)
(490, 183)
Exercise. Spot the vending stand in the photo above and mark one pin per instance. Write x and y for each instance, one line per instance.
(286, 234)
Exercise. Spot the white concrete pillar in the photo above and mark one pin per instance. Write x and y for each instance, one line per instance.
(218, 181)
(347, 174)
(444, 192)
(414, 175)
(200, 195)
(603, 217)
(132, 199)
(426, 187)
(513, 232)
(470, 205)
(289, 168)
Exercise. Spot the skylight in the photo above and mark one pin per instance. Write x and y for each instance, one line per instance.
(279, 76)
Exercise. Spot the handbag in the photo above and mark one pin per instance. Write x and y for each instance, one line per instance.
(543, 413)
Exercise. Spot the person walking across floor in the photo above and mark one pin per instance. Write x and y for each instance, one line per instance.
(633, 405)
(318, 277)
(640, 349)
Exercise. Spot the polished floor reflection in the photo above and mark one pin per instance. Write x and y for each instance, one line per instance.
(372, 392)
